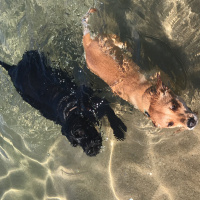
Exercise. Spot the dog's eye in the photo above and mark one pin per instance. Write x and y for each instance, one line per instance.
(170, 124)
(175, 105)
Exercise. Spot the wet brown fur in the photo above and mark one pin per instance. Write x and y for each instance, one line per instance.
(105, 58)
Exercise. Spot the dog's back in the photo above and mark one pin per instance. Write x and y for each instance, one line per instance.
(54, 94)
(152, 97)
(38, 83)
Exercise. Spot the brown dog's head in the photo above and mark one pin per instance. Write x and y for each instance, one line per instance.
(166, 110)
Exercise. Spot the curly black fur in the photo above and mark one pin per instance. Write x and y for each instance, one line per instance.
(52, 92)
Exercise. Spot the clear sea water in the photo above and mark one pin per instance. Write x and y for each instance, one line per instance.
(38, 163)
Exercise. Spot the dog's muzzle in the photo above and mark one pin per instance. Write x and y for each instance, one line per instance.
(192, 122)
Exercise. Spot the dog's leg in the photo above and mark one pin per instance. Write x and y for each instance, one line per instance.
(6, 66)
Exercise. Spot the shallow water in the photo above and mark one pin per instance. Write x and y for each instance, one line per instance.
(37, 162)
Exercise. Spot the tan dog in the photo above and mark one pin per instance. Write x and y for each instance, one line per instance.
(153, 98)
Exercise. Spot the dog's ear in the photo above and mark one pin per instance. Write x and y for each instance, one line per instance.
(159, 82)
(160, 86)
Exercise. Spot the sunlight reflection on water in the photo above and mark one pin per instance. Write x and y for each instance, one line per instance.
(37, 162)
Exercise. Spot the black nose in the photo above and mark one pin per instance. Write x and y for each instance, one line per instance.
(191, 122)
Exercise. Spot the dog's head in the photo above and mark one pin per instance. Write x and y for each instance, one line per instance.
(166, 110)
(80, 131)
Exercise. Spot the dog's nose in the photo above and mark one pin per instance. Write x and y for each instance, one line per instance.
(191, 122)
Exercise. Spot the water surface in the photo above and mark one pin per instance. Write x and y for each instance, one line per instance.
(37, 162)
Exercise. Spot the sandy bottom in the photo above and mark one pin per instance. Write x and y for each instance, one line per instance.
(150, 164)
(38, 163)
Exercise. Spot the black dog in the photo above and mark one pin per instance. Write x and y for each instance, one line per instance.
(52, 92)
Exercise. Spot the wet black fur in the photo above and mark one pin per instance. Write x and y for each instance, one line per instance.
(52, 92)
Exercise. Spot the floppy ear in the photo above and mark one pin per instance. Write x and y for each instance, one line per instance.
(160, 86)
(159, 82)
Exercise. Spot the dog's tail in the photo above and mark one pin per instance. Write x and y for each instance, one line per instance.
(6, 66)
(85, 20)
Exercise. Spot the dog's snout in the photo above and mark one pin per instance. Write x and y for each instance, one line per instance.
(192, 121)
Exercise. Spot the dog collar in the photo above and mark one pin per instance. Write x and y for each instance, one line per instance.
(146, 113)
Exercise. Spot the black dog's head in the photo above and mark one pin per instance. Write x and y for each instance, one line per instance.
(80, 122)
(80, 131)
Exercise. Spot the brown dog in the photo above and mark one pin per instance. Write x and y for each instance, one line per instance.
(165, 109)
